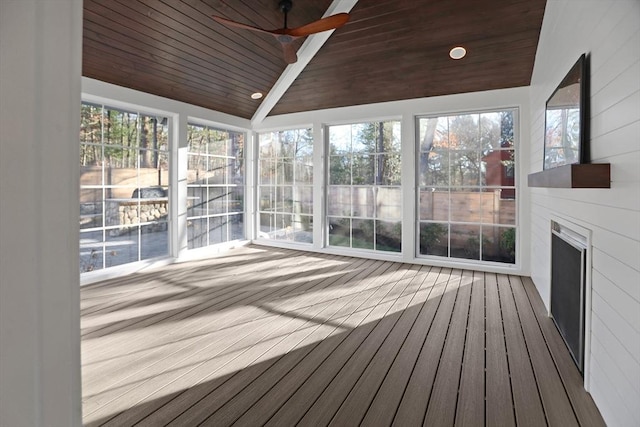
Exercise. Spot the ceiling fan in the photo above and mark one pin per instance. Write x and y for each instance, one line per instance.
(286, 35)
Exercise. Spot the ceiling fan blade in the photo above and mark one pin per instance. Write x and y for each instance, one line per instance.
(286, 35)
(230, 23)
(290, 55)
(324, 24)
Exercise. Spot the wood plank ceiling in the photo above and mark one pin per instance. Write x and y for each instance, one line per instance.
(389, 50)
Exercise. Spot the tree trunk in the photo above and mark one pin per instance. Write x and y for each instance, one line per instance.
(144, 143)
(426, 145)
(380, 156)
(155, 142)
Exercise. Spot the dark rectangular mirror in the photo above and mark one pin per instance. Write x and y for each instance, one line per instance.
(566, 119)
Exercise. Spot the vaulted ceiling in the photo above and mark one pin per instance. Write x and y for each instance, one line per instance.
(388, 50)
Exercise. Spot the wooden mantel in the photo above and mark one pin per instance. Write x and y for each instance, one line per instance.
(587, 175)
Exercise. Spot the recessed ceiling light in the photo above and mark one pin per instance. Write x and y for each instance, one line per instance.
(256, 95)
(457, 52)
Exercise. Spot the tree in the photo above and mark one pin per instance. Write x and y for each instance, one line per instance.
(464, 145)
(426, 149)
(506, 129)
(90, 134)
(376, 153)
(507, 138)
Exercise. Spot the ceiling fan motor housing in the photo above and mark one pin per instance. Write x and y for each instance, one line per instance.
(286, 5)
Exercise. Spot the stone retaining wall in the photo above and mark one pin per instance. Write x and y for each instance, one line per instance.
(127, 213)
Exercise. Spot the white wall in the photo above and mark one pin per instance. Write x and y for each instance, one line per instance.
(40, 66)
(608, 30)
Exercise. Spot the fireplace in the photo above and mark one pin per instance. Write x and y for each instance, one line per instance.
(568, 288)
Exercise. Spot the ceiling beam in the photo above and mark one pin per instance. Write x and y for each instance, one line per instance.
(307, 51)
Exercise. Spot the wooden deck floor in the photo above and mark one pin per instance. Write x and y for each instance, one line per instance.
(276, 337)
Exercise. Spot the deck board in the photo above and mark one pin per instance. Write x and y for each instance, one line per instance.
(208, 309)
(444, 396)
(174, 405)
(355, 406)
(413, 406)
(556, 403)
(499, 403)
(392, 389)
(526, 399)
(470, 409)
(141, 347)
(265, 336)
(228, 401)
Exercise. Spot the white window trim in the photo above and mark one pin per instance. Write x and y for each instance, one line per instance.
(128, 268)
(475, 264)
(407, 110)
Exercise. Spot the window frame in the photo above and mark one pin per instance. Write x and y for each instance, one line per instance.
(287, 235)
(209, 215)
(111, 233)
(514, 148)
(373, 186)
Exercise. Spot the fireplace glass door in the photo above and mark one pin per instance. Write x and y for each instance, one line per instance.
(567, 292)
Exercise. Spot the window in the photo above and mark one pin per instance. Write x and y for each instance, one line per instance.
(365, 199)
(466, 200)
(285, 186)
(215, 186)
(124, 183)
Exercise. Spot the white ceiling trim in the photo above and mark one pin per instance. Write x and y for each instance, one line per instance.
(307, 51)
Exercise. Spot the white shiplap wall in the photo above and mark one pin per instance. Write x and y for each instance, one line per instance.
(608, 30)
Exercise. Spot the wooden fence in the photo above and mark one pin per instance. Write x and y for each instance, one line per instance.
(486, 207)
